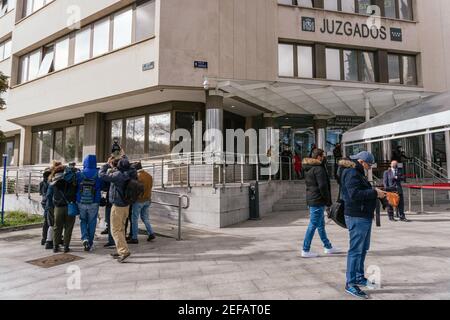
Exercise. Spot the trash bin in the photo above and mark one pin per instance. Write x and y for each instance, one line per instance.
(253, 196)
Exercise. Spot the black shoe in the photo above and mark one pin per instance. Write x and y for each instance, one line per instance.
(56, 249)
(115, 255)
(151, 237)
(49, 245)
(43, 241)
(106, 231)
(66, 249)
(133, 241)
(86, 245)
(121, 259)
(109, 245)
(128, 238)
(404, 220)
(392, 219)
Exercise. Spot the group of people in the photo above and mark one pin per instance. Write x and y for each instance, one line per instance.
(68, 192)
(360, 200)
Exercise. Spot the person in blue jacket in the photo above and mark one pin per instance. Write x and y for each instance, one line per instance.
(89, 189)
(359, 206)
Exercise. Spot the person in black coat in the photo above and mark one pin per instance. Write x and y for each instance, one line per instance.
(318, 196)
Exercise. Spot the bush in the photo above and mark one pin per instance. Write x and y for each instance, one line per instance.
(18, 218)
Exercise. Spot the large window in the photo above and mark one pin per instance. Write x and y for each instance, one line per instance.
(398, 9)
(5, 50)
(159, 134)
(6, 6)
(295, 61)
(402, 69)
(30, 6)
(350, 65)
(122, 28)
(135, 138)
(64, 144)
(135, 23)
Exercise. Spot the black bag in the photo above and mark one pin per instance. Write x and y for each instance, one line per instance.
(336, 212)
(133, 189)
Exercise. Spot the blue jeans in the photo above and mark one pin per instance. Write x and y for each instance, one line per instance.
(359, 229)
(108, 222)
(88, 221)
(140, 209)
(316, 221)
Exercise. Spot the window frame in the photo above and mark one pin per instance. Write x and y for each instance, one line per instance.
(400, 57)
(295, 62)
(358, 62)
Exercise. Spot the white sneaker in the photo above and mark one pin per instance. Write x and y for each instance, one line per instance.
(333, 251)
(92, 248)
(309, 254)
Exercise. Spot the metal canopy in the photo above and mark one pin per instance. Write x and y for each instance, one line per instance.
(425, 115)
(319, 97)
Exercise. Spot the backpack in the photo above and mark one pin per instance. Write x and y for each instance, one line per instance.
(87, 189)
(133, 189)
(59, 189)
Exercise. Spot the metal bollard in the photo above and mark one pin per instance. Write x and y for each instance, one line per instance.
(421, 201)
(409, 199)
(180, 204)
(162, 174)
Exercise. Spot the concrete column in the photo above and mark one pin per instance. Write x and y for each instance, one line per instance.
(214, 118)
(16, 149)
(26, 140)
(320, 126)
(94, 135)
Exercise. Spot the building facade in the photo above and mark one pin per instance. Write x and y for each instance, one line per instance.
(85, 72)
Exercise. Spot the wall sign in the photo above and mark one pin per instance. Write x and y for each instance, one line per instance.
(350, 29)
(201, 64)
(148, 66)
(396, 34)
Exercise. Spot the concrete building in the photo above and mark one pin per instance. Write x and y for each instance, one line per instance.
(83, 72)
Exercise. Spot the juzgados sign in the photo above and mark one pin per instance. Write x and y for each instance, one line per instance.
(351, 29)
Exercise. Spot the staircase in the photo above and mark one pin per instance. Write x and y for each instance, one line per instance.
(294, 200)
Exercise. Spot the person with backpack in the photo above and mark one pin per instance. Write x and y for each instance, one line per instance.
(142, 205)
(121, 195)
(60, 194)
(359, 205)
(43, 186)
(88, 200)
(318, 196)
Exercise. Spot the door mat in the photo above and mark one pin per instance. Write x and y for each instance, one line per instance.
(55, 260)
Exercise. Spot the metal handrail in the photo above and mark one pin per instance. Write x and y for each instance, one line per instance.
(428, 166)
(179, 206)
(425, 168)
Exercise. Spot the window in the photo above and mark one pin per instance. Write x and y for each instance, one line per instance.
(80, 142)
(363, 5)
(405, 9)
(135, 138)
(306, 3)
(31, 6)
(58, 146)
(350, 65)
(348, 6)
(6, 6)
(82, 45)
(145, 20)
(305, 61)
(159, 134)
(70, 144)
(367, 66)
(333, 64)
(5, 50)
(101, 37)
(34, 64)
(394, 69)
(47, 62)
(390, 8)
(409, 70)
(61, 54)
(289, 2)
(42, 147)
(331, 5)
(285, 60)
(122, 29)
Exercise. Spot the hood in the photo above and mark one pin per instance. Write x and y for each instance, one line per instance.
(124, 165)
(309, 163)
(347, 164)
(90, 162)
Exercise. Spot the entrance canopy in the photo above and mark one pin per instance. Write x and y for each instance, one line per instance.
(318, 97)
(424, 115)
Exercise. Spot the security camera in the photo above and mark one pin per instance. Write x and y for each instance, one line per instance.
(206, 84)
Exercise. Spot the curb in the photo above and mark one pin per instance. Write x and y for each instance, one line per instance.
(20, 228)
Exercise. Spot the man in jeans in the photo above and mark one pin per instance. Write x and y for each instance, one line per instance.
(88, 198)
(360, 203)
(118, 177)
(142, 206)
(318, 195)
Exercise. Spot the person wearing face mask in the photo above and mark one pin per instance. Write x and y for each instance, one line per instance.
(360, 201)
(318, 196)
(392, 181)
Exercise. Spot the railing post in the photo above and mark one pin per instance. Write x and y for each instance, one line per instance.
(421, 200)
(16, 183)
(242, 170)
(162, 174)
(29, 186)
(409, 199)
(189, 176)
(180, 205)
(281, 168)
(257, 171)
